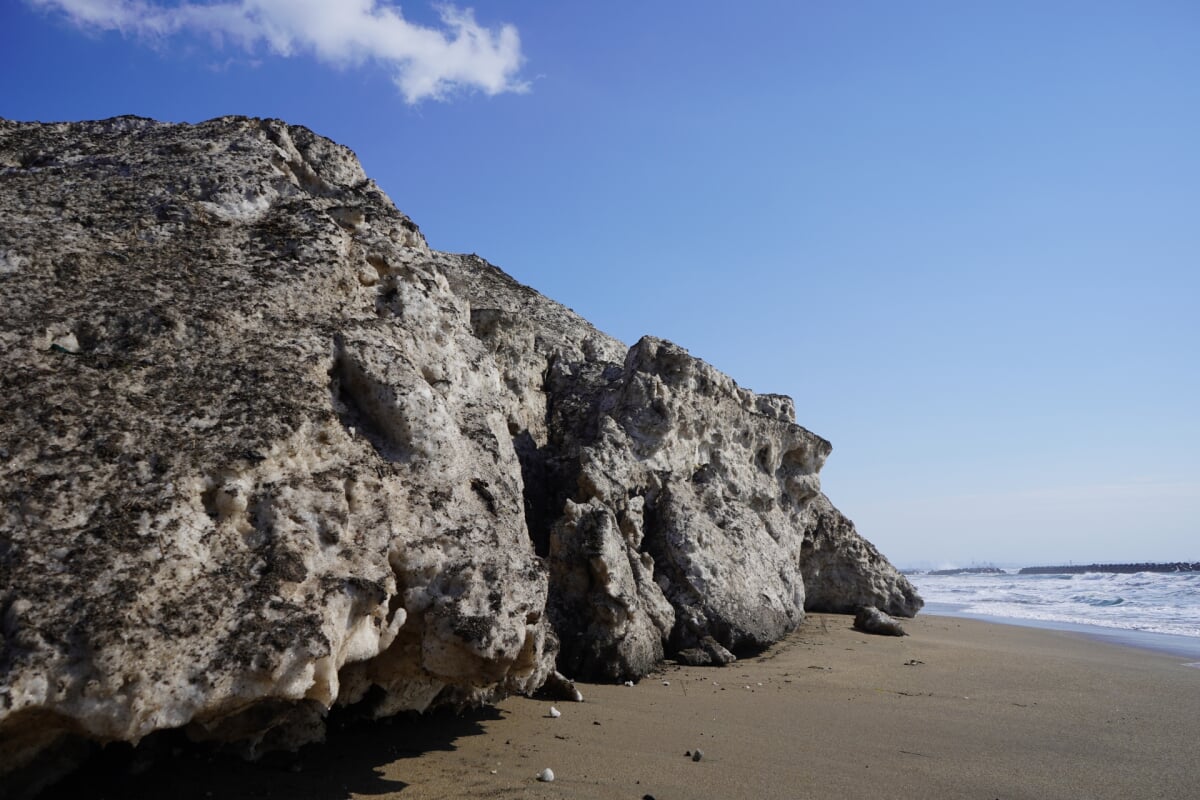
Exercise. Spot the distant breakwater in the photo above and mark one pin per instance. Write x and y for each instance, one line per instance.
(968, 571)
(1076, 569)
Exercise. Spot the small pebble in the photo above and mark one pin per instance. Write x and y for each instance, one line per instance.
(697, 755)
(629, 683)
(546, 775)
(666, 683)
(555, 713)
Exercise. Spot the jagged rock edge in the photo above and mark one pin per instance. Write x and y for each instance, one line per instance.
(594, 348)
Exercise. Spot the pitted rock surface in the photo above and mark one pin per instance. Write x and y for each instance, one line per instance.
(843, 571)
(264, 453)
(258, 458)
(651, 477)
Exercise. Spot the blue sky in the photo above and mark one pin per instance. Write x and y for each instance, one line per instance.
(965, 237)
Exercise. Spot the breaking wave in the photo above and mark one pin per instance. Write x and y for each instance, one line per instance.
(1154, 602)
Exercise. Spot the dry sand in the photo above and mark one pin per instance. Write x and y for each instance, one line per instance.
(959, 709)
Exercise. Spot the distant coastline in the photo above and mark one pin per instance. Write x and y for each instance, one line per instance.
(967, 571)
(1061, 569)
(1078, 569)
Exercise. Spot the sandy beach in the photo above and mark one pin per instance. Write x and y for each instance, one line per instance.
(959, 709)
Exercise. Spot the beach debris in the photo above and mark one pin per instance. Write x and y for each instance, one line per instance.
(912, 662)
(66, 344)
(554, 713)
(697, 754)
(546, 775)
(871, 620)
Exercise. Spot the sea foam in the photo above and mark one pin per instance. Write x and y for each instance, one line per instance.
(1153, 602)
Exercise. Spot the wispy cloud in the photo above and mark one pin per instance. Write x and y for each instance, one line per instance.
(425, 62)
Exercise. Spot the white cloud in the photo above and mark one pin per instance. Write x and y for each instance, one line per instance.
(425, 62)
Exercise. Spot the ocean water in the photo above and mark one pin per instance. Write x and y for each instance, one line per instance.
(1157, 610)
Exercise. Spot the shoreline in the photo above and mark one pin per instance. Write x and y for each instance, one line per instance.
(1167, 643)
(959, 708)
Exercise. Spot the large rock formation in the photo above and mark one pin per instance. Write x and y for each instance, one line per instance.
(264, 453)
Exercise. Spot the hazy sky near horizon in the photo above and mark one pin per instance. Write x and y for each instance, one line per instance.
(965, 237)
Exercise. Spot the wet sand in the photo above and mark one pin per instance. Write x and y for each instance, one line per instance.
(958, 709)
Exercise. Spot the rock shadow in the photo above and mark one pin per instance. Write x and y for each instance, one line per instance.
(350, 762)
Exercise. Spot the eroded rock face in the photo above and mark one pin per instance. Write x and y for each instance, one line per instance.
(709, 494)
(272, 454)
(843, 571)
(672, 504)
(254, 460)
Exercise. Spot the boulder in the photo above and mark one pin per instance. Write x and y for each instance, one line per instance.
(274, 454)
(709, 653)
(871, 620)
(261, 465)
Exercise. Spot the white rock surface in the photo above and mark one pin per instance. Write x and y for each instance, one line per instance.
(272, 454)
(263, 467)
(678, 510)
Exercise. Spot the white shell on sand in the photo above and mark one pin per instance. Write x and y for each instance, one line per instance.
(546, 775)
